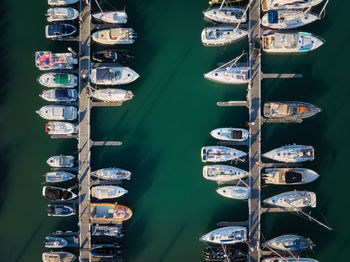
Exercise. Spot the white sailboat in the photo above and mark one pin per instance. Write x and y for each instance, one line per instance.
(291, 154)
(293, 199)
(221, 35)
(112, 17)
(287, 19)
(107, 192)
(112, 173)
(224, 173)
(234, 192)
(220, 154)
(288, 4)
(226, 235)
(226, 15)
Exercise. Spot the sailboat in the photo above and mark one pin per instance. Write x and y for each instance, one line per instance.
(234, 192)
(223, 173)
(291, 154)
(220, 154)
(291, 243)
(112, 17)
(289, 259)
(226, 15)
(293, 199)
(221, 35)
(288, 4)
(287, 19)
(226, 235)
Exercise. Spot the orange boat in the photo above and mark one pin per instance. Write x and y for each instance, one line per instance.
(109, 212)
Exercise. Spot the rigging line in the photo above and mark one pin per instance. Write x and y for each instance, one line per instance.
(244, 13)
(99, 6)
(315, 220)
(323, 11)
(324, 218)
(110, 4)
(224, 249)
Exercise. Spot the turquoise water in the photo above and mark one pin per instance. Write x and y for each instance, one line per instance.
(163, 129)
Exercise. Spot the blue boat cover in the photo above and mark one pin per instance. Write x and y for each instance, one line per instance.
(272, 16)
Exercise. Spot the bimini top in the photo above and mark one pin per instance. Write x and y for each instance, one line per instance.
(272, 16)
(43, 58)
(61, 79)
(107, 74)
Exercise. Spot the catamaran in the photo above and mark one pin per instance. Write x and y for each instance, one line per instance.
(58, 176)
(287, 19)
(289, 109)
(221, 35)
(226, 235)
(113, 75)
(60, 128)
(109, 212)
(54, 112)
(112, 95)
(46, 60)
(61, 14)
(291, 154)
(226, 15)
(291, 42)
(58, 80)
(107, 192)
(289, 176)
(61, 161)
(111, 17)
(60, 95)
(115, 36)
(288, 4)
(112, 173)
(230, 134)
(293, 199)
(234, 192)
(61, 2)
(290, 243)
(224, 173)
(220, 154)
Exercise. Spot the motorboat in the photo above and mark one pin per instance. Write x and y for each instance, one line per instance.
(223, 173)
(220, 154)
(46, 60)
(113, 75)
(288, 4)
(226, 235)
(290, 243)
(230, 134)
(107, 231)
(61, 2)
(112, 17)
(59, 95)
(59, 30)
(58, 80)
(291, 154)
(112, 173)
(287, 19)
(234, 192)
(293, 199)
(61, 14)
(289, 176)
(58, 194)
(289, 110)
(59, 256)
(114, 36)
(109, 212)
(60, 210)
(58, 176)
(106, 251)
(107, 192)
(61, 161)
(113, 56)
(55, 242)
(112, 95)
(221, 35)
(229, 75)
(298, 42)
(289, 259)
(55, 112)
(225, 253)
(60, 128)
(226, 15)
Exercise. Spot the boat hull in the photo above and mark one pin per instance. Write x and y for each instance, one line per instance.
(226, 235)
(289, 22)
(289, 176)
(293, 199)
(223, 173)
(234, 192)
(219, 36)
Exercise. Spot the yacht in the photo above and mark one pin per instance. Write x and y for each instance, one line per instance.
(289, 176)
(111, 17)
(212, 2)
(60, 95)
(59, 30)
(289, 259)
(106, 192)
(109, 212)
(291, 154)
(112, 95)
(221, 35)
(288, 4)
(55, 242)
(112, 173)
(289, 110)
(107, 251)
(113, 75)
(46, 60)
(61, 2)
(61, 161)
(220, 154)
(61, 14)
(287, 19)
(107, 231)
(114, 36)
(113, 56)
(298, 42)
(293, 199)
(59, 256)
(290, 243)
(60, 128)
(223, 173)
(230, 134)
(226, 15)
(226, 235)
(58, 176)
(58, 194)
(58, 80)
(229, 75)
(225, 253)
(60, 210)
(234, 192)
(53, 112)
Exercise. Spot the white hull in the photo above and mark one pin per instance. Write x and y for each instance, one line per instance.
(55, 242)
(289, 176)
(115, 36)
(220, 154)
(293, 199)
(58, 176)
(289, 19)
(291, 154)
(61, 161)
(226, 15)
(112, 95)
(289, 259)
(112, 17)
(288, 4)
(113, 75)
(112, 174)
(58, 95)
(58, 256)
(46, 60)
(61, 14)
(223, 173)
(107, 192)
(230, 134)
(226, 235)
(217, 36)
(56, 80)
(234, 192)
(61, 2)
(229, 75)
(60, 128)
(53, 112)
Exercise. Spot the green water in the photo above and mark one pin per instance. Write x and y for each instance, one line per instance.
(163, 129)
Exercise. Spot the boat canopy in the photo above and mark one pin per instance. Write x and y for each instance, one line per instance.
(107, 74)
(62, 93)
(293, 177)
(43, 58)
(272, 16)
(61, 79)
(237, 134)
(56, 29)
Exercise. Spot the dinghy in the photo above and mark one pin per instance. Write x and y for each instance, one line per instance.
(234, 192)
(223, 173)
(291, 154)
(107, 192)
(53, 112)
(46, 60)
(61, 2)
(293, 199)
(290, 243)
(60, 128)
(109, 212)
(288, 4)
(111, 17)
(112, 173)
(58, 80)
(59, 30)
(61, 14)
(226, 235)
(230, 134)
(220, 154)
(226, 15)
(59, 95)
(59, 256)
(289, 110)
(220, 35)
(58, 194)
(289, 176)
(58, 176)
(287, 19)
(60, 210)
(112, 95)
(113, 75)
(114, 36)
